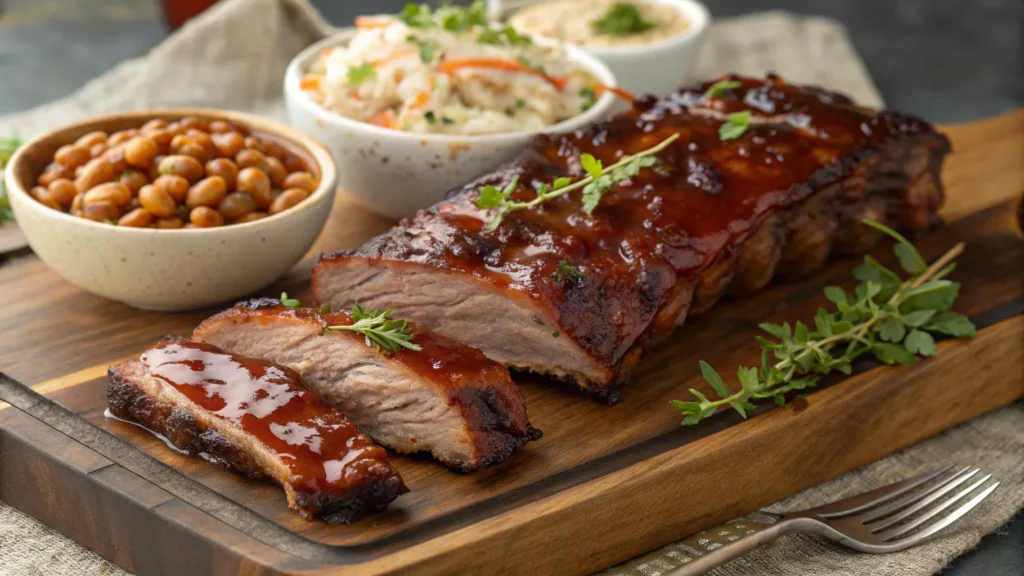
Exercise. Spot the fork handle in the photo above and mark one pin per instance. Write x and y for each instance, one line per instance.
(734, 550)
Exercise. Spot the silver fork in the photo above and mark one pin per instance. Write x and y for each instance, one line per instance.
(877, 521)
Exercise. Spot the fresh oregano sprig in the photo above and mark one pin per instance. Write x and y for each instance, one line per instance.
(892, 318)
(380, 329)
(598, 181)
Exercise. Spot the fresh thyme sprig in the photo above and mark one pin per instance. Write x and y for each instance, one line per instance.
(380, 329)
(720, 87)
(289, 302)
(598, 181)
(7, 147)
(734, 126)
(894, 319)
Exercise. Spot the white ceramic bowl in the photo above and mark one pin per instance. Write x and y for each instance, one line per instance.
(396, 173)
(657, 68)
(169, 269)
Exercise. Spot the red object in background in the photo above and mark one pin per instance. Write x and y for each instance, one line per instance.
(177, 12)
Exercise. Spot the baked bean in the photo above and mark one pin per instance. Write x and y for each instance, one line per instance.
(156, 199)
(175, 186)
(204, 140)
(114, 192)
(63, 191)
(228, 144)
(133, 179)
(97, 150)
(207, 192)
(185, 166)
(275, 170)
(276, 150)
(302, 180)
(141, 151)
(255, 183)
(101, 212)
(175, 128)
(91, 139)
(168, 223)
(241, 129)
(131, 205)
(220, 127)
(248, 158)
(137, 218)
(189, 225)
(193, 123)
(96, 172)
(250, 217)
(236, 205)
(287, 199)
(205, 217)
(44, 197)
(77, 203)
(154, 169)
(295, 164)
(115, 155)
(121, 137)
(153, 126)
(53, 172)
(224, 168)
(72, 156)
(162, 138)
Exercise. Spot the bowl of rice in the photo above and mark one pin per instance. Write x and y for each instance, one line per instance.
(415, 104)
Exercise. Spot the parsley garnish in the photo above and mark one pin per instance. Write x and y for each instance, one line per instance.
(507, 35)
(520, 103)
(359, 74)
(289, 302)
(427, 48)
(7, 148)
(429, 117)
(451, 18)
(622, 19)
(416, 15)
(587, 98)
(564, 270)
(721, 87)
(735, 126)
(892, 318)
(598, 181)
(380, 329)
(447, 120)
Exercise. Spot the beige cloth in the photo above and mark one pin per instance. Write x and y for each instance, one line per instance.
(234, 56)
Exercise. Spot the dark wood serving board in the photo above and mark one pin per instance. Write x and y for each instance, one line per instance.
(603, 485)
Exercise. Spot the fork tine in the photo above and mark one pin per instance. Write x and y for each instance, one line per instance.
(911, 505)
(935, 510)
(955, 515)
(862, 502)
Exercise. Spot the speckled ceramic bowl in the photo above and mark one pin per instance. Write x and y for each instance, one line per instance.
(396, 173)
(169, 269)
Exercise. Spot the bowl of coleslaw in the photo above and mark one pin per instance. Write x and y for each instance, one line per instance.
(416, 104)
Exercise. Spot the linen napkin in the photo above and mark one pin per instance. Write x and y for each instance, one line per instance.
(234, 56)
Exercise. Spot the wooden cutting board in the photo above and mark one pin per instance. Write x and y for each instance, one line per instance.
(603, 485)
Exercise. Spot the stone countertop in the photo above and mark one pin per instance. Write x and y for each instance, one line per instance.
(949, 61)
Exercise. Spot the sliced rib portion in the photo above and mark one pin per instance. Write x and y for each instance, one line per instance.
(258, 420)
(446, 399)
(557, 291)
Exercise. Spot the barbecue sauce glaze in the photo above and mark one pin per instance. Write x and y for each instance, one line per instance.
(662, 226)
(324, 452)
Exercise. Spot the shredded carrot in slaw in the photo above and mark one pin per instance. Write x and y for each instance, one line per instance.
(421, 100)
(450, 66)
(369, 22)
(385, 119)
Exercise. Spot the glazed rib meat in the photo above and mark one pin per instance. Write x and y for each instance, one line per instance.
(715, 217)
(258, 420)
(446, 399)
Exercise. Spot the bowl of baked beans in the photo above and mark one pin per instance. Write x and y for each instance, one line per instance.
(172, 209)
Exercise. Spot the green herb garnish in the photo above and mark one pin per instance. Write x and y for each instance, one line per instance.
(427, 48)
(447, 120)
(735, 126)
(564, 270)
(416, 15)
(721, 87)
(507, 35)
(530, 65)
(598, 181)
(380, 329)
(429, 117)
(622, 19)
(520, 104)
(358, 74)
(289, 302)
(7, 147)
(891, 318)
(324, 308)
(458, 19)
(587, 98)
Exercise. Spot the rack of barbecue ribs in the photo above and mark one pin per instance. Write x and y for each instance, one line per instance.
(257, 419)
(446, 398)
(715, 216)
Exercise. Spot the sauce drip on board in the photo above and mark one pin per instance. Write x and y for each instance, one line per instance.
(664, 225)
(324, 452)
